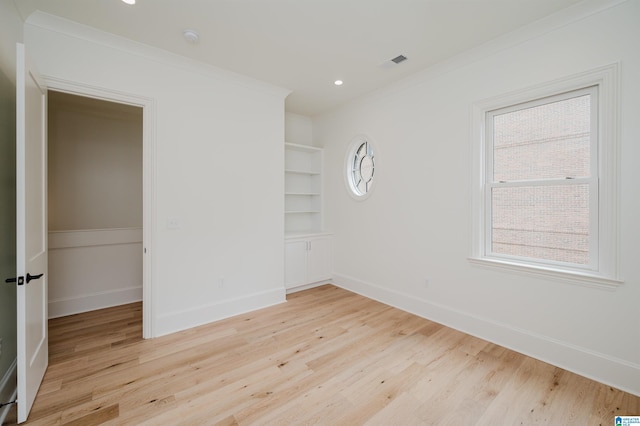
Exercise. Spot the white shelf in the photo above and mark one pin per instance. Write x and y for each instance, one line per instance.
(302, 189)
(294, 235)
(302, 194)
(301, 211)
(303, 148)
(302, 172)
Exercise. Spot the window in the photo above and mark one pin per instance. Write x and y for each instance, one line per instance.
(360, 168)
(547, 196)
(541, 178)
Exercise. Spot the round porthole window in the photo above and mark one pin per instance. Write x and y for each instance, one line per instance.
(360, 167)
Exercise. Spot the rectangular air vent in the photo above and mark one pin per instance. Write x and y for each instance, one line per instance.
(399, 58)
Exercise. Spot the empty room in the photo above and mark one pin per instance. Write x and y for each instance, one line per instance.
(342, 212)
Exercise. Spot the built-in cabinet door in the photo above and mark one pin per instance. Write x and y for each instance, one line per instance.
(295, 263)
(307, 260)
(318, 259)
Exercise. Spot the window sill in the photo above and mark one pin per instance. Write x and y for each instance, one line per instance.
(578, 278)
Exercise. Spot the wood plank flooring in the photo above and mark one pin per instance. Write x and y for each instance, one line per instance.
(327, 356)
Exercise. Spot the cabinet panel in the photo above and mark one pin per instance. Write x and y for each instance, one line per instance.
(307, 260)
(295, 263)
(319, 259)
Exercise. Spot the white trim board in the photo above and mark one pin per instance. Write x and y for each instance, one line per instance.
(92, 302)
(94, 237)
(308, 286)
(148, 177)
(605, 369)
(189, 318)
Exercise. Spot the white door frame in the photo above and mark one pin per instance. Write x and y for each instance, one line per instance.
(148, 181)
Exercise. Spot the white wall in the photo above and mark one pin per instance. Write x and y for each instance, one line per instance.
(94, 204)
(10, 34)
(298, 129)
(94, 269)
(416, 224)
(218, 169)
(95, 164)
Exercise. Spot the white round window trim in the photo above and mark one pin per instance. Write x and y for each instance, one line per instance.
(360, 164)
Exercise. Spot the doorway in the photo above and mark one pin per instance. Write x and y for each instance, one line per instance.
(148, 176)
(95, 203)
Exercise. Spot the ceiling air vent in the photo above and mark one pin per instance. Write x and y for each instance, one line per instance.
(392, 63)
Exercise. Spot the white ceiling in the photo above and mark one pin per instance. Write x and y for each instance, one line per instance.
(304, 45)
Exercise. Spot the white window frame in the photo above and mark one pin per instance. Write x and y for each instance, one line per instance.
(350, 185)
(602, 270)
(591, 181)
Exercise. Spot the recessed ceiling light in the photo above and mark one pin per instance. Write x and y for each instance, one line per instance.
(191, 36)
(129, 1)
(338, 82)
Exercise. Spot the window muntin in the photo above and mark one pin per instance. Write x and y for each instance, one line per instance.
(360, 168)
(363, 168)
(541, 181)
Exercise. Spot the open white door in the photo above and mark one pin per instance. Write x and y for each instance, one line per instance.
(31, 238)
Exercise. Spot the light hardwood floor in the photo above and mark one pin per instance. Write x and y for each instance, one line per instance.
(327, 356)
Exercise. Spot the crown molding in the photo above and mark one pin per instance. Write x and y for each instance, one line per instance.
(76, 30)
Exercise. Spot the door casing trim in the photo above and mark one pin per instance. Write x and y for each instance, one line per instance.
(148, 181)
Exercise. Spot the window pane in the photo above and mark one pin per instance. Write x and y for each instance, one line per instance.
(543, 222)
(361, 174)
(543, 142)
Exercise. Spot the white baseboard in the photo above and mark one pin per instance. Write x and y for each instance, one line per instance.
(603, 368)
(308, 286)
(182, 320)
(8, 390)
(91, 302)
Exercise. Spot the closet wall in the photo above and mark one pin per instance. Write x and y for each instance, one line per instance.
(95, 204)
